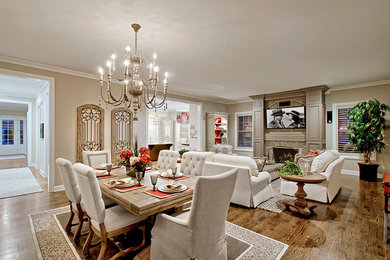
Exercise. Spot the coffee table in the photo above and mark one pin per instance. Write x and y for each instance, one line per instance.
(300, 203)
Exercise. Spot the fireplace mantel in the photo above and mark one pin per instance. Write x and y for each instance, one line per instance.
(312, 138)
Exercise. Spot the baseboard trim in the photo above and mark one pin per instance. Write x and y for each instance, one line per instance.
(350, 172)
(59, 188)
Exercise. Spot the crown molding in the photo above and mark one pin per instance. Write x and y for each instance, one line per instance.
(360, 85)
(47, 67)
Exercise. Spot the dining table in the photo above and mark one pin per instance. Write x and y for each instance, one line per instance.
(139, 202)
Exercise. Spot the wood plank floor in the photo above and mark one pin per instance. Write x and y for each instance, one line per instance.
(350, 228)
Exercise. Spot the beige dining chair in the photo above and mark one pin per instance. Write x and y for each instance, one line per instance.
(105, 223)
(200, 232)
(94, 158)
(192, 163)
(74, 196)
(167, 160)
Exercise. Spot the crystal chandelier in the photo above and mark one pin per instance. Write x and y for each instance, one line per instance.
(137, 84)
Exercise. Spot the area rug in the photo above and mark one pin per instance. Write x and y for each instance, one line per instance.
(52, 242)
(17, 181)
(275, 204)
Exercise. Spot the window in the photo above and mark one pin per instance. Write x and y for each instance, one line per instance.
(7, 133)
(342, 143)
(21, 131)
(244, 131)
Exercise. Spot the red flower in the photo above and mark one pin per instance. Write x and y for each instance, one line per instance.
(312, 152)
(143, 150)
(145, 158)
(125, 155)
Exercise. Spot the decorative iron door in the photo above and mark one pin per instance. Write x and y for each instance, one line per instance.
(121, 131)
(90, 129)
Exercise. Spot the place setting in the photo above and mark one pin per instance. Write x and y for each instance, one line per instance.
(165, 190)
(172, 174)
(103, 170)
(126, 184)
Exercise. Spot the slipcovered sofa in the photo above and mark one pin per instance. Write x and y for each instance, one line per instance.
(252, 187)
(328, 164)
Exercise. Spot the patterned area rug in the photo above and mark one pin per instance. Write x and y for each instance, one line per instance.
(275, 204)
(52, 242)
(17, 181)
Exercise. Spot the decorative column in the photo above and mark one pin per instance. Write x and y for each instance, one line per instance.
(258, 125)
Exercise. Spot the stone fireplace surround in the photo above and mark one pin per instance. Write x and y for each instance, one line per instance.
(311, 138)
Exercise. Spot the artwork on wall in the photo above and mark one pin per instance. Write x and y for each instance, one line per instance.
(193, 132)
(183, 117)
(293, 117)
(42, 131)
(90, 129)
(121, 132)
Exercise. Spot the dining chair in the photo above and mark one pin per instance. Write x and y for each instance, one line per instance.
(94, 158)
(105, 223)
(200, 232)
(74, 196)
(167, 160)
(192, 163)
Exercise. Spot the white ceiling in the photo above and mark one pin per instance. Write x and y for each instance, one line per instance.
(224, 50)
(13, 106)
(11, 86)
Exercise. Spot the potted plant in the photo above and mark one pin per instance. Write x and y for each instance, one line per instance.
(366, 133)
(183, 151)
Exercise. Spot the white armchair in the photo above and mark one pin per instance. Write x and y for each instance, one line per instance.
(198, 233)
(94, 158)
(167, 159)
(328, 164)
(251, 188)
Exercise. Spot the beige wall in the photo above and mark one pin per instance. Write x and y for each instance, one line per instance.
(232, 109)
(382, 93)
(73, 91)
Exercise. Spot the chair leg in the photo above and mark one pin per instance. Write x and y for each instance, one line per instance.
(103, 248)
(69, 224)
(76, 237)
(88, 241)
(385, 228)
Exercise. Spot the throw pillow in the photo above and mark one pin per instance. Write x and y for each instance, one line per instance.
(321, 162)
(260, 163)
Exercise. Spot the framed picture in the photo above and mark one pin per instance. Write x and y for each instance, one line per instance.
(183, 118)
(42, 131)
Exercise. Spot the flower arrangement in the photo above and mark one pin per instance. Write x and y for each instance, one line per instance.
(135, 163)
(311, 152)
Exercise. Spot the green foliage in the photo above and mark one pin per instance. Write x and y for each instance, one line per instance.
(290, 168)
(182, 151)
(366, 131)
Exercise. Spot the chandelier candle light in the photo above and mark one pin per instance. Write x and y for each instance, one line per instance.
(138, 84)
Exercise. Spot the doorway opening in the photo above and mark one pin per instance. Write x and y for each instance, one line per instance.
(27, 121)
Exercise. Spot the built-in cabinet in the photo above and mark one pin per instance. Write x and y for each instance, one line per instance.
(217, 129)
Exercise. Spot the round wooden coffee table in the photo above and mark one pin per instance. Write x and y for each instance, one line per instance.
(300, 203)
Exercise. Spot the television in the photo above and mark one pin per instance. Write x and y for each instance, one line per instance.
(286, 118)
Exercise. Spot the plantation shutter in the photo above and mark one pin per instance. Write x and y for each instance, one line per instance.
(343, 145)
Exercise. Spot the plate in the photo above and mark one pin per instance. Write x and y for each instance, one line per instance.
(165, 189)
(127, 182)
(102, 166)
(166, 175)
(100, 173)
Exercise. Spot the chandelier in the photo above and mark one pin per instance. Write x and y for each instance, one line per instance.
(137, 83)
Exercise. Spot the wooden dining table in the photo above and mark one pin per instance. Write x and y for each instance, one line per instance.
(142, 204)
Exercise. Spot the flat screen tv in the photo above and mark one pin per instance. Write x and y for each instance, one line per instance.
(281, 118)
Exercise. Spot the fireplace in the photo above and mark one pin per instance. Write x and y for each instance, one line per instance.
(282, 154)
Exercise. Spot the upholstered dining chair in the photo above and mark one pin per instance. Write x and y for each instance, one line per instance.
(74, 196)
(192, 163)
(105, 223)
(94, 158)
(200, 232)
(167, 159)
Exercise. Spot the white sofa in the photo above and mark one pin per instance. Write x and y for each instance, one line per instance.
(249, 190)
(328, 164)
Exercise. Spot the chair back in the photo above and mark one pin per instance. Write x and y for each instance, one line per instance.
(192, 163)
(167, 159)
(94, 158)
(69, 179)
(90, 191)
(208, 212)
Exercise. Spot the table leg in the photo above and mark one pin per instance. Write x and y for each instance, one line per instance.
(300, 203)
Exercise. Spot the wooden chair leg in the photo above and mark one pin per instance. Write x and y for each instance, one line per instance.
(88, 241)
(103, 247)
(69, 224)
(385, 229)
(76, 237)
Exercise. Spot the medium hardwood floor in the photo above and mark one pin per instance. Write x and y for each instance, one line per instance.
(350, 228)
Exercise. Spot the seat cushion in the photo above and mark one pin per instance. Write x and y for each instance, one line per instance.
(321, 162)
(116, 218)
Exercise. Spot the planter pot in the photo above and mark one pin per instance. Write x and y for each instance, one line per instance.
(368, 172)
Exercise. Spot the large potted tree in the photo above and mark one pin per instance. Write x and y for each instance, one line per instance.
(366, 133)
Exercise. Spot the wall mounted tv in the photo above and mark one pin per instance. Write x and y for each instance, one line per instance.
(289, 118)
